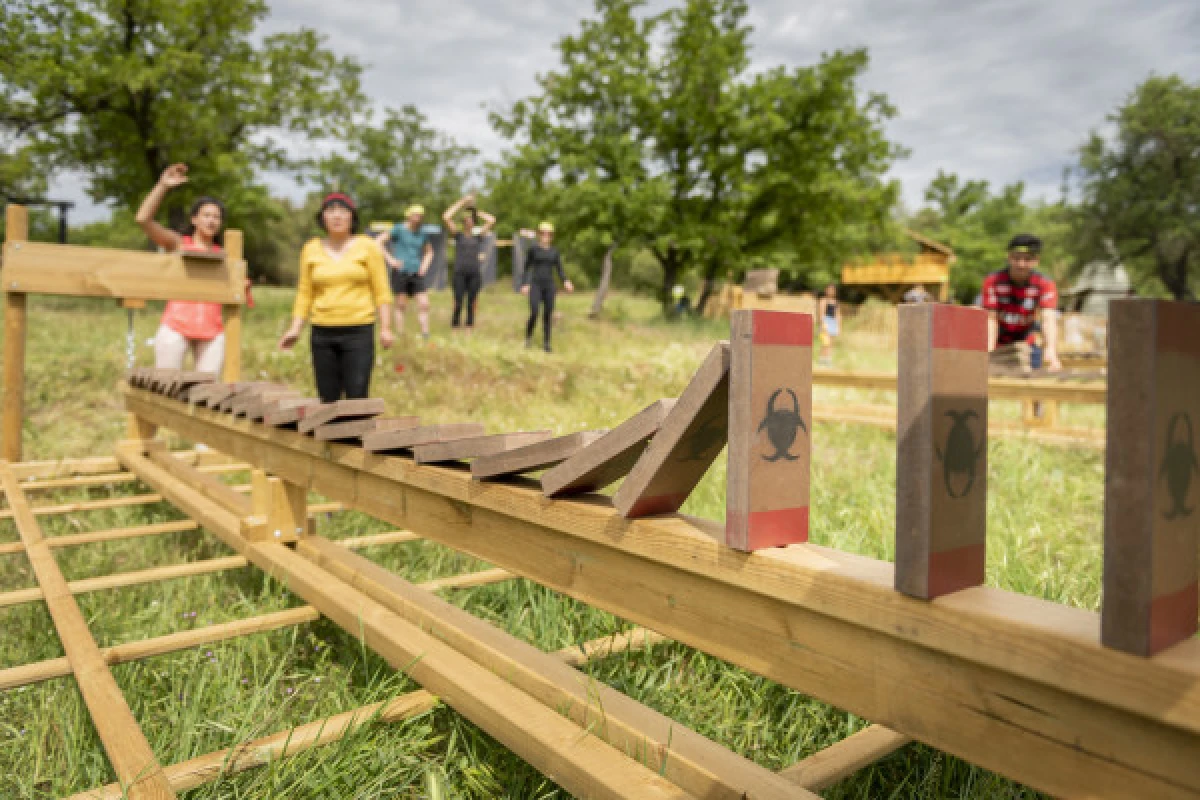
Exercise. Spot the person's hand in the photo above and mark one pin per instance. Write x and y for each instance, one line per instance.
(386, 338)
(174, 175)
(525, 290)
(570, 287)
(288, 340)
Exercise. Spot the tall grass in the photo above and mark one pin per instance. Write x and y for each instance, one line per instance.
(1044, 540)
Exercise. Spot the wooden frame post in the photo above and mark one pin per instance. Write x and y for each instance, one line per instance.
(1152, 476)
(233, 315)
(16, 231)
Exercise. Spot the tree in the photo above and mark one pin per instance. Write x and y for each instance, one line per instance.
(120, 89)
(403, 160)
(677, 148)
(1141, 187)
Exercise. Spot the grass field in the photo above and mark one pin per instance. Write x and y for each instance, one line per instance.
(1044, 516)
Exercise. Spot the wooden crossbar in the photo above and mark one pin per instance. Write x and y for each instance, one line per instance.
(841, 760)
(110, 535)
(128, 751)
(201, 770)
(1015, 684)
(885, 417)
(1064, 391)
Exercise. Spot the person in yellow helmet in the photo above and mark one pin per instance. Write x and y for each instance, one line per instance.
(537, 282)
(408, 253)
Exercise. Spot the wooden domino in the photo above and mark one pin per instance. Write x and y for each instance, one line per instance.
(692, 436)
(401, 440)
(533, 457)
(470, 447)
(941, 449)
(1152, 476)
(341, 411)
(288, 413)
(610, 457)
(770, 425)
(355, 429)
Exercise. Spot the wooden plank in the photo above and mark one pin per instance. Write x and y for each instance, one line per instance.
(839, 761)
(610, 457)
(116, 534)
(160, 645)
(244, 391)
(208, 768)
(532, 457)
(1016, 684)
(604, 646)
(1086, 392)
(1151, 488)
(126, 746)
(686, 758)
(470, 447)
(77, 481)
(243, 402)
(287, 414)
(692, 436)
(341, 411)
(211, 487)
(377, 539)
(770, 429)
(354, 430)
(400, 440)
(941, 449)
(120, 580)
(44, 268)
(468, 580)
(258, 411)
(12, 414)
(89, 505)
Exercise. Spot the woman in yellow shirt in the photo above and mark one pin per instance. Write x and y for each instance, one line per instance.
(343, 289)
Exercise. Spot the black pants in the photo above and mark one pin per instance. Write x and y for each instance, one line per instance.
(466, 288)
(342, 360)
(540, 297)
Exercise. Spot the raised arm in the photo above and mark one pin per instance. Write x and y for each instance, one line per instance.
(449, 214)
(489, 221)
(167, 239)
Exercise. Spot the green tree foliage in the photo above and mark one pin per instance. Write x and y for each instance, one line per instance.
(977, 223)
(119, 89)
(400, 161)
(679, 148)
(1141, 187)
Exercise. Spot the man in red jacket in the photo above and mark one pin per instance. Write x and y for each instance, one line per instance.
(1016, 297)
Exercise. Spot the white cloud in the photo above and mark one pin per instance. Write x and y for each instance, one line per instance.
(1002, 90)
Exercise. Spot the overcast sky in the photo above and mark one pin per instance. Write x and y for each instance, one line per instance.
(1002, 90)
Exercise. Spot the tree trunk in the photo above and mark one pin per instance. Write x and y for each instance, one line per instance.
(605, 277)
(710, 276)
(670, 273)
(1174, 274)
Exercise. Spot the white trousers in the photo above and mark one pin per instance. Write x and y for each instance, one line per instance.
(171, 347)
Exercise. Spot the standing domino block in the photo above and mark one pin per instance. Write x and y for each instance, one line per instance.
(1152, 476)
(770, 424)
(941, 449)
(692, 436)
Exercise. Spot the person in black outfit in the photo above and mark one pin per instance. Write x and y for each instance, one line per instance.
(468, 256)
(537, 281)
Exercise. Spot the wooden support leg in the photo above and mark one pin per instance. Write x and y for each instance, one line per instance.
(280, 510)
(16, 233)
(941, 449)
(1152, 476)
(770, 423)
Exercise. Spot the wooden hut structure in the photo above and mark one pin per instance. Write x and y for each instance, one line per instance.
(890, 275)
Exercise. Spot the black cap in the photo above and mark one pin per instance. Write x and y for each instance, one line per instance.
(1025, 243)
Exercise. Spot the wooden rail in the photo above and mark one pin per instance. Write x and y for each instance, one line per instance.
(1013, 683)
(1062, 391)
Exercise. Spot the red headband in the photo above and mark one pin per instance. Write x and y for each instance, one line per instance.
(339, 197)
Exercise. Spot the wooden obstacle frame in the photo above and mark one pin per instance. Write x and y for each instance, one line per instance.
(1016, 684)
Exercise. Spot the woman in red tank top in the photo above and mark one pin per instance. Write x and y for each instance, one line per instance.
(186, 325)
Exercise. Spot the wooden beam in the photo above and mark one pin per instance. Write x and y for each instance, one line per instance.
(196, 772)
(604, 646)
(119, 580)
(686, 758)
(12, 412)
(482, 578)
(1064, 391)
(89, 505)
(44, 268)
(376, 539)
(128, 751)
(78, 481)
(1151, 528)
(211, 487)
(1016, 684)
(841, 760)
(551, 743)
(160, 645)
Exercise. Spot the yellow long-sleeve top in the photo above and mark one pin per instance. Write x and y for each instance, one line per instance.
(341, 291)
